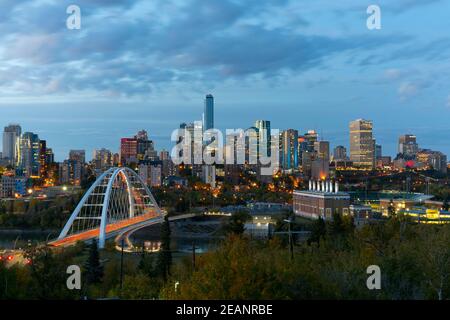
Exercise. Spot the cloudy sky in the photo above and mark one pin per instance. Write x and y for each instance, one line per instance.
(140, 64)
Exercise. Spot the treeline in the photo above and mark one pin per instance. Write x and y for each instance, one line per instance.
(414, 262)
(36, 214)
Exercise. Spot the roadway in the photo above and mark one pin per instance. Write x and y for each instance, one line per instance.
(125, 235)
(110, 230)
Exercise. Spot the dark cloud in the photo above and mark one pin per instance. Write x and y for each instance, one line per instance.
(130, 48)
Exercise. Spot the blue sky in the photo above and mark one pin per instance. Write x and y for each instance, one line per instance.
(148, 64)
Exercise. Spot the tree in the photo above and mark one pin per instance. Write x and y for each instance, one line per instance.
(164, 261)
(48, 274)
(236, 225)
(318, 231)
(146, 264)
(94, 270)
(391, 209)
(445, 205)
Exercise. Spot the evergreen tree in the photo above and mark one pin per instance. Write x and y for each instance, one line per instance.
(391, 209)
(94, 270)
(318, 231)
(146, 264)
(164, 261)
(445, 205)
(237, 223)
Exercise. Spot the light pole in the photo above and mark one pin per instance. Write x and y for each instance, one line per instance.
(121, 266)
(15, 242)
(291, 245)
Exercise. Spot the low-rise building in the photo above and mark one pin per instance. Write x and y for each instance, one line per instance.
(323, 199)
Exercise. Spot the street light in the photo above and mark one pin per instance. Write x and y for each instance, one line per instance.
(291, 245)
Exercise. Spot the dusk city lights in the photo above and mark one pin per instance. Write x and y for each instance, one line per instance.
(209, 158)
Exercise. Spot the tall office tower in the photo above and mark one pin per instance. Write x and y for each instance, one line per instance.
(187, 139)
(103, 159)
(320, 166)
(208, 114)
(168, 168)
(340, 153)
(29, 154)
(433, 159)
(145, 147)
(251, 146)
(264, 137)
(311, 136)
(128, 151)
(43, 165)
(362, 147)
(209, 171)
(11, 138)
(70, 172)
(322, 149)
(289, 149)
(302, 147)
(378, 151)
(407, 145)
(78, 155)
(49, 156)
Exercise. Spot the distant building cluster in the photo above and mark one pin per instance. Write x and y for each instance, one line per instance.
(29, 162)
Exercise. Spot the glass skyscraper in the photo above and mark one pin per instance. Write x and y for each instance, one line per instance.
(11, 138)
(208, 114)
(362, 145)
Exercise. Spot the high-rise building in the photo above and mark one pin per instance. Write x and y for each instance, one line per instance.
(78, 155)
(322, 149)
(407, 145)
(289, 149)
(70, 172)
(264, 137)
(208, 114)
(320, 166)
(11, 139)
(433, 159)
(49, 156)
(128, 151)
(103, 159)
(151, 172)
(209, 171)
(168, 168)
(251, 146)
(29, 154)
(340, 153)
(145, 147)
(310, 137)
(362, 147)
(378, 151)
(43, 158)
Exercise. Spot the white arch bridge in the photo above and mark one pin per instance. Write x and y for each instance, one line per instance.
(118, 202)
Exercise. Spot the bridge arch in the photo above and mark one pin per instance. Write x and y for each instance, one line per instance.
(118, 199)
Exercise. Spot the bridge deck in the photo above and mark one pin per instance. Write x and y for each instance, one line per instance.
(110, 228)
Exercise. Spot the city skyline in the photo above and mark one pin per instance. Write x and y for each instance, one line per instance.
(63, 85)
(389, 140)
